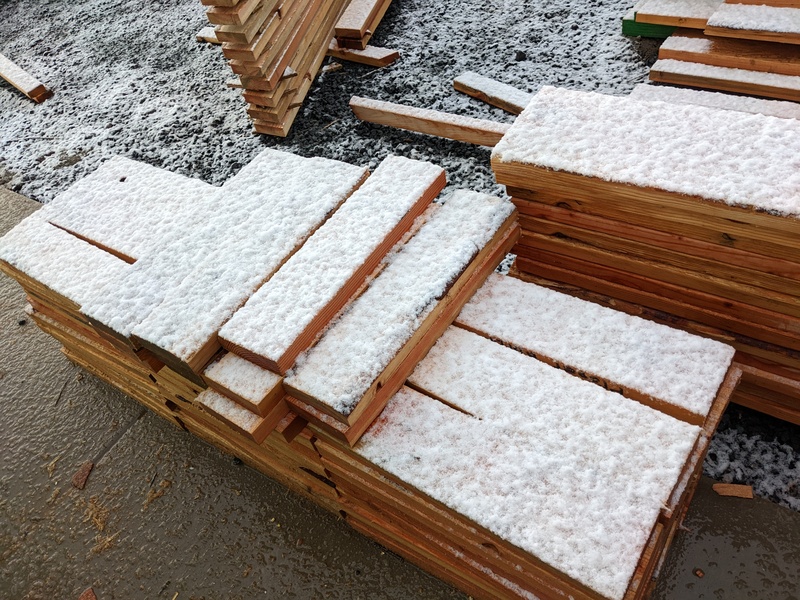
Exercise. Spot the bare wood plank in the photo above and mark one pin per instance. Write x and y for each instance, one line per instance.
(431, 122)
(232, 15)
(371, 55)
(733, 490)
(356, 18)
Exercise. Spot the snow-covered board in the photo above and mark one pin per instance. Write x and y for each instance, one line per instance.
(677, 95)
(23, 81)
(254, 388)
(496, 93)
(327, 271)
(247, 423)
(756, 22)
(693, 46)
(672, 371)
(431, 122)
(345, 380)
(678, 13)
(726, 79)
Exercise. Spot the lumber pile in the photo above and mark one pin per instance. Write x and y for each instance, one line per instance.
(704, 240)
(23, 81)
(510, 455)
(276, 48)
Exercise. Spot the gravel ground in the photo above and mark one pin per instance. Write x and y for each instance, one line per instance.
(135, 82)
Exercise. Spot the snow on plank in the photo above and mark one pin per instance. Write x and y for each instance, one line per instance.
(362, 358)
(668, 369)
(44, 255)
(239, 418)
(129, 207)
(766, 23)
(279, 208)
(677, 13)
(600, 137)
(23, 81)
(431, 122)
(693, 46)
(559, 467)
(272, 331)
(676, 95)
(725, 79)
(493, 92)
(256, 389)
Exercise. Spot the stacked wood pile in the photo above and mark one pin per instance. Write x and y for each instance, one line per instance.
(276, 48)
(358, 294)
(739, 46)
(704, 239)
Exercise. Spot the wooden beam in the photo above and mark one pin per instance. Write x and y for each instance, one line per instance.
(23, 81)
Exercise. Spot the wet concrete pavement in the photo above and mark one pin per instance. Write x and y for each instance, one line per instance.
(164, 515)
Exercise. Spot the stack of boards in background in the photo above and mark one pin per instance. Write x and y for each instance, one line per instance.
(702, 233)
(510, 456)
(276, 47)
(741, 46)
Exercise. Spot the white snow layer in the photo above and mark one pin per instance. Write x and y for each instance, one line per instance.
(557, 466)
(740, 159)
(278, 313)
(495, 89)
(242, 377)
(229, 410)
(359, 345)
(129, 206)
(761, 78)
(64, 263)
(665, 363)
(687, 43)
(756, 17)
(675, 95)
(688, 9)
(260, 216)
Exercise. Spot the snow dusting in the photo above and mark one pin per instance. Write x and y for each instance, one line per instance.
(242, 377)
(741, 159)
(278, 313)
(359, 345)
(229, 410)
(661, 362)
(560, 467)
(687, 9)
(495, 89)
(756, 17)
(761, 78)
(676, 95)
(688, 43)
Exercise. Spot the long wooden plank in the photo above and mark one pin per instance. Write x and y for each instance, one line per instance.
(694, 46)
(677, 13)
(739, 81)
(23, 81)
(431, 122)
(745, 21)
(496, 93)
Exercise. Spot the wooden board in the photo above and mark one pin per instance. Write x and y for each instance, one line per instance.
(676, 13)
(491, 92)
(232, 15)
(359, 43)
(371, 55)
(23, 81)
(734, 53)
(431, 122)
(356, 18)
(725, 80)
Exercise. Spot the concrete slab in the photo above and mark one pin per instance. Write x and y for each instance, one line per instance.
(164, 515)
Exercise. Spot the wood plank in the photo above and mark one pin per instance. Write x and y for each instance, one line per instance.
(23, 81)
(371, 55)
(733, 490)
(232, 15)
(496, 93)
(244, 34)
(207, 35)
(356, 18)
(360, 43)
(739, 81)
(694, 46)
(677, 13)
(746, 21)
(431, 122)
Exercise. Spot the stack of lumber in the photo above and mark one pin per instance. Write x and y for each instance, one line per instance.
(551, 456)
(358, 22)
(694, 220)
(276, 48)
(758, 68)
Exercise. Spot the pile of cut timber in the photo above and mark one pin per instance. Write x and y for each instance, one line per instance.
(276, 48)
(515, 456)
(693, 220)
